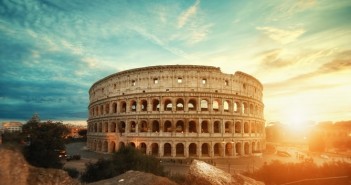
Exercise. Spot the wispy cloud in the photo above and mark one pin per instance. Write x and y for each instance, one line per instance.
(184, 17)
(281, 35)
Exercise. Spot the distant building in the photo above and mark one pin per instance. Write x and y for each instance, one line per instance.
(74, 129)
(11, 127)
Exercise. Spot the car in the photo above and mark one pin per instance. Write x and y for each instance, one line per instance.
(61, 153)
(73, 157)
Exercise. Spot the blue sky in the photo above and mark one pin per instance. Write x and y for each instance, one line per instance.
(51, 52)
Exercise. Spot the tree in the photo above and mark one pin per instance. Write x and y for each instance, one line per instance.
(44, 142)
(83, 132)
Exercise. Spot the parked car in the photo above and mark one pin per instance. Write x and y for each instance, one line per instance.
(61, 154)
(73, 157)
(283, 154)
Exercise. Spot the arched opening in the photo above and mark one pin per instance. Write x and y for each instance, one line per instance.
(155, 105)
(113, 127)
(105, 127)
(229, 149)
(253, 147)
(112, 147)
(179, 150)
(228, 127)
(168, 105)
(251, 109)
(132, 126)
(217, 127)
(245, 108)
(238, 149)
(101, 109)
(99, 146)
(215, 106)
(100, 127)
(155, 126)
(237, 127)
(143, 105)
(180, 126)
(95, 127)
(114, 107)
(226, 106)
(133, 106)
(246, 148)
(204, 127)
(167, 149)
(123, 106)
(192, 127)
(143, 148)
(192, 105)
(143, 126)
(205, 150)
(121, 145)
(192, 150)
(154, 149)
(167, 126)
(132, 144)
(122, 127)
(180, 105)
(236, 107)
(204, 105)
(107, 108)
(246, 127)
(217, 149)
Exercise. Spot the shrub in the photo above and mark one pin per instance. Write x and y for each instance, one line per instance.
(72, 172)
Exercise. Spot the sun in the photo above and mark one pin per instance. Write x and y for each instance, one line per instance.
(297, 117)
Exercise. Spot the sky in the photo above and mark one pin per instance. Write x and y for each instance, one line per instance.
(52, 51)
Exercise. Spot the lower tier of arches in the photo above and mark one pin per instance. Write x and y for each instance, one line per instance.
(204, 148)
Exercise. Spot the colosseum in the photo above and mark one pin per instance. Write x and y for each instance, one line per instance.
(177, 111)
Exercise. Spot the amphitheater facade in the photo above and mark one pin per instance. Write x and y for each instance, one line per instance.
(177, 111)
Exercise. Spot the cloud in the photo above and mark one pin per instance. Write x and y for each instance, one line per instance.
(280, 35)
(183, 18)
(271, 59)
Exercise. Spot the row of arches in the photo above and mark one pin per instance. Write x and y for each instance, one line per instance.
(177, 126)
(177, 104)
(182, 149)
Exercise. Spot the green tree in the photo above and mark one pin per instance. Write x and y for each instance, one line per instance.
(44, 141)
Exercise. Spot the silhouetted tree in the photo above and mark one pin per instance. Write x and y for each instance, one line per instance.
(44, 141)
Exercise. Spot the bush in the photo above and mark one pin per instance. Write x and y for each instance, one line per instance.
(72, 172)
(127, 158)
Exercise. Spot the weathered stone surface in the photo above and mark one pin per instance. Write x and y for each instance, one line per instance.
(15, 170)
(135, 178)
(201, 173)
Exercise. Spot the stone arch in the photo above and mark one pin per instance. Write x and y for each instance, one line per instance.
(246, 148)
(155, 105)
(204, 126)
(228, 127)
(99, 148)
(253, 147)
(167, 149)
(107, 108)
(244, 108)
(226, 106)
(101, 109)
(133, 126)
(143, 126)
(133, 106)
(180, 104)
(143, 104)
(122, 127)
(112, 147)
(205, 150)
(95, 127)
(142, 148)
(121, 145)
(167, 105)
(105, 127)
(237, 127)
(123, 106)
(192, 150)
(215, 105)
(229, 149)
(204, 105)
(180, 150)
(217, 149)
(113, 127)
(167, 126)
(192, 127)
(246, 127)
(180, 126)
(236, 107)
(132, 144)
(155, 126)
(154, 149)
(238, 149)
(114, 107)
(217, 127)
(251, 109)
(192, 105)
(100, 127)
